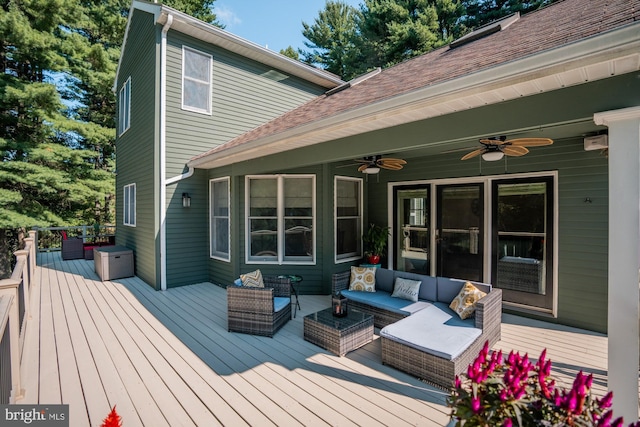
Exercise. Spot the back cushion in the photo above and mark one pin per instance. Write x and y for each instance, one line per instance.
(384, 279)
(428, 288)
(449, 288)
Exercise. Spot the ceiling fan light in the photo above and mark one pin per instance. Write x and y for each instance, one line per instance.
(492, 156)
(371, 170)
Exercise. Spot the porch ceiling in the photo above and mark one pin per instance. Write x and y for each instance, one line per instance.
(602, 57)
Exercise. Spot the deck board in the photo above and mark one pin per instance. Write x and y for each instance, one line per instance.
(166, 358)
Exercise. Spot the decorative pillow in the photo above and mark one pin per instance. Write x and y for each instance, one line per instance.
(253, 279)
(363, 279)
(465, 302)
(406, 289)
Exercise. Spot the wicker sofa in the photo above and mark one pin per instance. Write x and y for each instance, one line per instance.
(426, 338)
(259, 311)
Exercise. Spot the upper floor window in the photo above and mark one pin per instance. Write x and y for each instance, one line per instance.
(129, 205)
(124, 107)
(348, 218)
(196, 81)
(281, 218)
(220, 210)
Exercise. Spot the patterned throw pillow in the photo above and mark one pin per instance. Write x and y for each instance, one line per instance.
(253, 279)
(406, 289)
(465, 302)
(363, 279)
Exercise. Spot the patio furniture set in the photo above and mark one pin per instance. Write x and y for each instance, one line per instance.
(78, 248)
(430, 327)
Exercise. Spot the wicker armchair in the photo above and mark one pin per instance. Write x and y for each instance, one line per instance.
(250, 310)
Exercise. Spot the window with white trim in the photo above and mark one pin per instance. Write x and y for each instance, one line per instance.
(348, 218)
(196, 80)
(124, 107)
(281, 217)
(129, 205)
(220, 220)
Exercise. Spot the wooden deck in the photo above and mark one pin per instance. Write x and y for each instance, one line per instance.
(166, 359)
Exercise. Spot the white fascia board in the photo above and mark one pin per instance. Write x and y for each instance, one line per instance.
(618, 43)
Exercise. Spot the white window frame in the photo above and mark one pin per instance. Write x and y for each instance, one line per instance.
(208, 83)
(124, 107)
(129, 211)
(356, 255)
(219, 255)
(280, 259)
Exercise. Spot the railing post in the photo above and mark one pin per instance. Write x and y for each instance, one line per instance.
(10, 287)
(33, 236)
(21, 256)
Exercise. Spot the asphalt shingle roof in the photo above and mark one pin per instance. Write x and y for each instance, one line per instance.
(559, 24)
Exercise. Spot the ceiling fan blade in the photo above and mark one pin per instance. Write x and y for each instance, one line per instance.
(390, 166)
(365, 161)
(363, 167)
(474, 153)
(392, 160)
(529, 142)
(514, 151)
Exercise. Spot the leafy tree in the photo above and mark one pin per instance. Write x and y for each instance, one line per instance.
(395, 30)
(332, 39)
(290, 52)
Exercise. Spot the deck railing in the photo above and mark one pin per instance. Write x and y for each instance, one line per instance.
(15, 304)
(50, 238)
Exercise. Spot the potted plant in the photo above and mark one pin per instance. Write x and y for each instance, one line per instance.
(374, 241)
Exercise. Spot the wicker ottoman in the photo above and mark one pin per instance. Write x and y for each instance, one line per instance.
(339, 335)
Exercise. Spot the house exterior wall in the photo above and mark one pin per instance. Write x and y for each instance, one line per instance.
(582, 233)
(137, 150)
(245, 94)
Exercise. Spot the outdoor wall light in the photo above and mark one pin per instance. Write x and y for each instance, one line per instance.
(186, 200)
(492, 156)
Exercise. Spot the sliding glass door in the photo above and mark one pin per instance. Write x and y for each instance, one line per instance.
(411, 231)
(460, 230)
(522, 235)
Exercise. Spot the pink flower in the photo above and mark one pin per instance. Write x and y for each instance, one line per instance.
(606, 401)
(507, 423)
(475, 404)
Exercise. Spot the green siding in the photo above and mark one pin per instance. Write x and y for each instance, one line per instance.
(137, 158)
(245, 95)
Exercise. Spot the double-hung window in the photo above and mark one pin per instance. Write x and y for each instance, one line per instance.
(281, 219)
(124, 107)
(348, 218)
(220, 210)
(196, 81)
(129, 205)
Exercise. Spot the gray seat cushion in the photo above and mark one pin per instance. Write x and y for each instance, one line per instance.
(436, 330)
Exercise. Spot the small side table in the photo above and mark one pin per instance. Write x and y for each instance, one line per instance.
(295, 280)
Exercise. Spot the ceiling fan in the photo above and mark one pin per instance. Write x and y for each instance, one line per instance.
(497, 147)
(373, 164)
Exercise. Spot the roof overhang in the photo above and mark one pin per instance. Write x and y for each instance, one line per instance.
(193, 27)
(599, 57)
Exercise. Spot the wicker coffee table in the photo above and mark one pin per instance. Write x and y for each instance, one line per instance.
(339, 335)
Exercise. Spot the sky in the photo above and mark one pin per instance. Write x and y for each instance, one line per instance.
(275, 24)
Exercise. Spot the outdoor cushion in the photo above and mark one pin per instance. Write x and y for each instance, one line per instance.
(434, 330)
(238, 282)
(406, 289)
(279, 303)
(383, 300)
(464, 304)
(363, 279)
(252, 279)
(385, 279)
(428, 288)
(448, 288)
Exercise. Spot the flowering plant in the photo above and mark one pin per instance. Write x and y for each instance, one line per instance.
(516, 392)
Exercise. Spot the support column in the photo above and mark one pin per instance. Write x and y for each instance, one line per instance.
(624, 258)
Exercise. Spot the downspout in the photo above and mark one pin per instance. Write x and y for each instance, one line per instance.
(163, 155)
